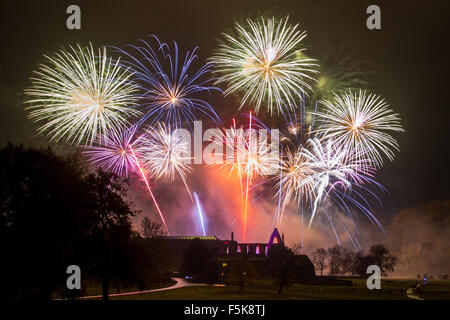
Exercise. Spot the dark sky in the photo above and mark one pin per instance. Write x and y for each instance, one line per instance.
(409, 57)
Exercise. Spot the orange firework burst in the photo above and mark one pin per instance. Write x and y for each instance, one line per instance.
(251, 158)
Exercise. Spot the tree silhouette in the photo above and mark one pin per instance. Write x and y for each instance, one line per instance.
(334, 260)
(281, 263)
(319, 259)
(381, 257)
(149, 229)
(44, 226)
(111, 225)
(347, 260)
(53, 214)
(360, 264)
(378, 255)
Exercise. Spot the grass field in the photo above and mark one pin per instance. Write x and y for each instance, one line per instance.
(390, 290)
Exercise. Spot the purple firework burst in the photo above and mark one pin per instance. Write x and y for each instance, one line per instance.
(112, 152)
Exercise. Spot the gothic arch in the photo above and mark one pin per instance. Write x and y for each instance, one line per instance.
(275, 235)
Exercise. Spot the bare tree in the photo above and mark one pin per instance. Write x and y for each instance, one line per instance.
(335, 260)
(347, 261)
(360, 264)
(297, 248)
(319, 258)
(381, 257)
(150, 229)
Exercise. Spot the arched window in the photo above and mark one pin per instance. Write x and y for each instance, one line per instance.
(275, 235)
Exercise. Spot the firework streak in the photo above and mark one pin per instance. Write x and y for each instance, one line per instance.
(163, 154)
(200, 213)
(252, 157)
(148, 188)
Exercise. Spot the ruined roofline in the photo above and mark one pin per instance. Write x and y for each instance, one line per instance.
(189, 238)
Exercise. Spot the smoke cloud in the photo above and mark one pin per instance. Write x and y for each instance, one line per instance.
(420, 238)
(221, 198)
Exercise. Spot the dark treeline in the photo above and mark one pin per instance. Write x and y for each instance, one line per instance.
(342, 261)
(54, 213)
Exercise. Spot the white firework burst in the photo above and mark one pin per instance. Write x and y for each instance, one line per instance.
(79, 94)
(360, 121)
(164, 153)
(264, 61)
(333, 166)
(295, 180)
(253, 156)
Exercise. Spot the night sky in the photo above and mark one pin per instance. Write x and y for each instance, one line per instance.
(409, 59)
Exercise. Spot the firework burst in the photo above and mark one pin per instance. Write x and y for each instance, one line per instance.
(264, 61)
(172, 88)
(253, 157)
(164, 154)
(294, 180)
(115, 152)
(112, 152)
(360, 121)
(333, 167)
(79, 95)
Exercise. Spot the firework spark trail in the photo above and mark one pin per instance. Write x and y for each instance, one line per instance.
(254, 158)
(278, 214)
(200, 213)
(321, 169)
(236, 138)
(294, 180)
(334, 167)
(249, 156)
(326, 163)
(114, 152)
(141, 171)
(249, 177)
(164, 154)
(239, 172)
